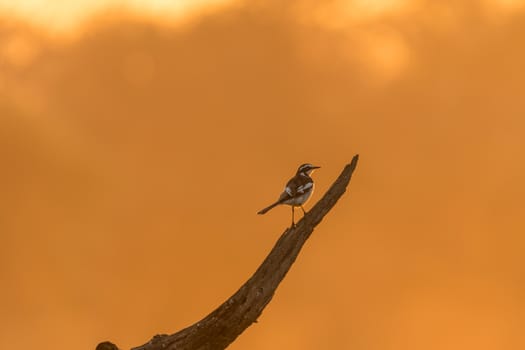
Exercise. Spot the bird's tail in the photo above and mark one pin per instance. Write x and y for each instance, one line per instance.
(263, 211)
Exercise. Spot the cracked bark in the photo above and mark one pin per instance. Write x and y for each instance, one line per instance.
(222, 326)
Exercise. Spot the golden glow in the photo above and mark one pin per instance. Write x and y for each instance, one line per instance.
(384, 52)
(19, 50)
(134, 156)
(379, 48)
(63, 16)
(342, 14)
(506, 5)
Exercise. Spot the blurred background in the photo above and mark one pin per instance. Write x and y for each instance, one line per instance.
(138, 139)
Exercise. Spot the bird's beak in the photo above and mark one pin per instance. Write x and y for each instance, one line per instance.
(315, 167)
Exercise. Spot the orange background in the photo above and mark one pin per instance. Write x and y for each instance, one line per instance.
(137, 144)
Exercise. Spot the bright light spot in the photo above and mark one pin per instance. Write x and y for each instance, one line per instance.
(382, 50)
(63, 16)
(18, 50)
(505, 6)
(372, 8)
(498, 10)
(385, 53)
(339, 14)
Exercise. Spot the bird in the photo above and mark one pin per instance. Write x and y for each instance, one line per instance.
(297, 191)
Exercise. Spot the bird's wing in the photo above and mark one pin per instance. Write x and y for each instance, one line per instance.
(298, 185)
(305, 186)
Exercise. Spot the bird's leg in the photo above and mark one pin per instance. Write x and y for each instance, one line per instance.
(293, 222)
(304, 213)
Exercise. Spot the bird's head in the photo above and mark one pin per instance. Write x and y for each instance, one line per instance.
(307, 169)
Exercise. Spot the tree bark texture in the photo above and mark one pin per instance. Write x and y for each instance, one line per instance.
(222, 326)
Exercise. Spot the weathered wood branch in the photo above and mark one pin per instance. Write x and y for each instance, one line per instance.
(221, 327)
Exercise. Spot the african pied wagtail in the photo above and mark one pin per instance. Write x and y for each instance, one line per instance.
(297, 190)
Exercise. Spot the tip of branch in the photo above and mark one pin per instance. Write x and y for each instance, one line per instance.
(354, 161)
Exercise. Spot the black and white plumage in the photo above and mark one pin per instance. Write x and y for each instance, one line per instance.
(297, 191)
